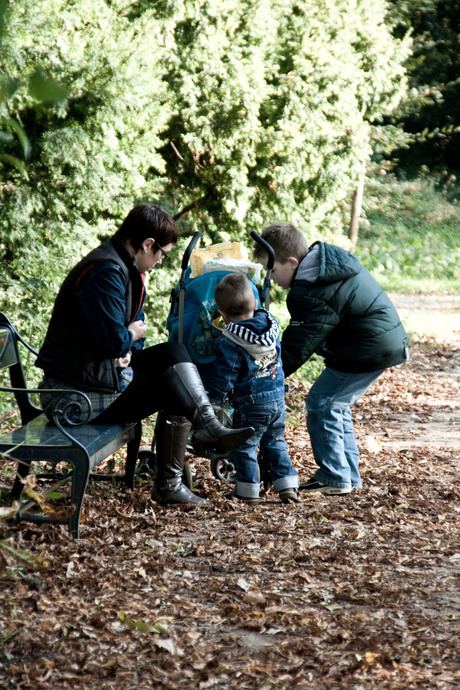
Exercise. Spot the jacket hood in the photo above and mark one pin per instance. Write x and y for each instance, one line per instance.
(326, 263)
(257, 336)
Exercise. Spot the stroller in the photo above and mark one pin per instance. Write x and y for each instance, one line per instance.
(191, 321)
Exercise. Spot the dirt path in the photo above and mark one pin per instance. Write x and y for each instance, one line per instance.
(431, 303)
(436, 421)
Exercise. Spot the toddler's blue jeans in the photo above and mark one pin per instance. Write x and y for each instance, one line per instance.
(268, 419)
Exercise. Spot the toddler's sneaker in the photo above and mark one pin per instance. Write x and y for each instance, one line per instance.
(289, 495)
(250, 501)
(327, 489)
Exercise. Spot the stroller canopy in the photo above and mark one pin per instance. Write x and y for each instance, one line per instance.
(200, 310)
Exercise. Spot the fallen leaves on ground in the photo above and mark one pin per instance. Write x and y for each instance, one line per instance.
(357, 591)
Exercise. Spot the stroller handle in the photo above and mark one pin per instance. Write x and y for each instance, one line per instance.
(266, 288)
(189, 250)
(268, 248)
(185, 260)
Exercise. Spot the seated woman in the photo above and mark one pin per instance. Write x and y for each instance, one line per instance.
(95, 343)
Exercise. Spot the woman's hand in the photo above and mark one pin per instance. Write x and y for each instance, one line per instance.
(138, 329)
(123, 362)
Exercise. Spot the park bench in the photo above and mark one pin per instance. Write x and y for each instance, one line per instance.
(81, 446)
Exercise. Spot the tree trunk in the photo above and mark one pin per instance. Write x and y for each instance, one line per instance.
(358, 198)
(357, 205)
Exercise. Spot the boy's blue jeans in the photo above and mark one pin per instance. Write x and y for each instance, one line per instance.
(268, 419)
(330, 425)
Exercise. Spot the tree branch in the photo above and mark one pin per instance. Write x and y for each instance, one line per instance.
(194, 204)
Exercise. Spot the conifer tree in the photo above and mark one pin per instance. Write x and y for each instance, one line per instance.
(230, 114)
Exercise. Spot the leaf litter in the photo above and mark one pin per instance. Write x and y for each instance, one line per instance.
(355, 592)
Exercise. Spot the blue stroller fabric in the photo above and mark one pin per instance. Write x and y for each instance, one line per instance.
(200, 310)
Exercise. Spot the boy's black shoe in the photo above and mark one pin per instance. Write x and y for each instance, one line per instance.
(327, 489)
(289, 495)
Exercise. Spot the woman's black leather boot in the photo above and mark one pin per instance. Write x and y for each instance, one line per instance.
(208, 433)
(171, 434)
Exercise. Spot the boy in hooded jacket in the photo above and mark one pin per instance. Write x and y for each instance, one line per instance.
(248, 371)
(340, 312)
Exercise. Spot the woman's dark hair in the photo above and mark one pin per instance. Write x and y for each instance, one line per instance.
(148, 220)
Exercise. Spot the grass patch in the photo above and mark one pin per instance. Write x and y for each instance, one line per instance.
(409, 237)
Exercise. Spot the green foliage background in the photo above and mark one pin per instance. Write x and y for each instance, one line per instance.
(240, 113)
(429, 113)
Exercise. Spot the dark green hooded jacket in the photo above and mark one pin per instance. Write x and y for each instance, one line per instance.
(340, 312)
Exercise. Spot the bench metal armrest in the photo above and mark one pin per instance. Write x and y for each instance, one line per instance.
(64, 409)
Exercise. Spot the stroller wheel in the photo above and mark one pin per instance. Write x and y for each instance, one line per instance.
(223, 469)
(147, 466)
